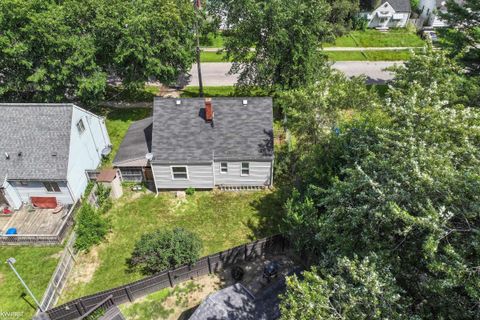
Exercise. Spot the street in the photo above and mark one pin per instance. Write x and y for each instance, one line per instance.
(215, 74)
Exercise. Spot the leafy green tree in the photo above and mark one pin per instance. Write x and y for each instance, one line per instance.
(463, 38)
(406, 190)
(435, 67)
(91, 227)
(352, 289)
(66, 50)
(165, 249)
(275, 43)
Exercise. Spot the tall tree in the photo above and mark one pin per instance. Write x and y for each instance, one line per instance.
(463, 38)
(406, 190)
(275, 43)
(66, 50)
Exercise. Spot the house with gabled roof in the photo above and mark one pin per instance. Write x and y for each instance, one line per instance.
(45, 150)
(385, 14)
(201, 143)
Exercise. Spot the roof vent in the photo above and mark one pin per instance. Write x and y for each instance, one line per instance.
(178, 102)
(7, 156)
(54, 154)
(208, 110)
(19, 154)
(245, 102)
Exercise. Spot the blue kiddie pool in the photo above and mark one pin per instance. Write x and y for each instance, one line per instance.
(11, 231)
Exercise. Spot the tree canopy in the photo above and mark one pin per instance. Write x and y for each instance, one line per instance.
(403, 187)
(67, 50)
(275, 43)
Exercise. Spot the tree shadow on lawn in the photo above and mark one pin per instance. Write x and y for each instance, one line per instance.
(271, 213)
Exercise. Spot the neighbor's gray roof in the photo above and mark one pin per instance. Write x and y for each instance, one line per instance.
(37, 131)
(399, 5)
(239, 132)
(137, 142)
(237, 303)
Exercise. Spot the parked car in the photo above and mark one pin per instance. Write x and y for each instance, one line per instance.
(430, 34)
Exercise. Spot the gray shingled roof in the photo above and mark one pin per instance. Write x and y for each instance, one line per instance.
(37, 131)
(239, 132)
(137, 142)
(399, 5)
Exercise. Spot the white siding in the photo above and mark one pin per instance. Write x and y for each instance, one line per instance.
(85, 148)
(12, 196)
(199, 176)
(259, 174)
(36, 189)
(374, 21)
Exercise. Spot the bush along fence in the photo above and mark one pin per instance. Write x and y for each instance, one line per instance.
(60, 275)
(128, 293)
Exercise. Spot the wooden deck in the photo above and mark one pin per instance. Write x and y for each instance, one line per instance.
(38, 222)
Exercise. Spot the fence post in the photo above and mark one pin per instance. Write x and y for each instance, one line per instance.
(209, 265)
(129, 294)
(170, 278)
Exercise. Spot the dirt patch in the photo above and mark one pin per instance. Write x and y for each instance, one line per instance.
(84, 268)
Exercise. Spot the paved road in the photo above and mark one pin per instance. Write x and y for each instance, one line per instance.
(215, 74)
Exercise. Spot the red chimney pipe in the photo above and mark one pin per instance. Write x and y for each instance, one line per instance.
(208, 110)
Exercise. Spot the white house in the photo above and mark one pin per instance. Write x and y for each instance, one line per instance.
(45, 150)
(201, 143)
(430, 9)
(389, 14)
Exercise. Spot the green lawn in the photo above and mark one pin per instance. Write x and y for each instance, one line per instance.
(118, 122)
(375, 55)
(207, 56)
(35, 265)
(221, 91)
(375, 38)
(213, 41)
(221, 219)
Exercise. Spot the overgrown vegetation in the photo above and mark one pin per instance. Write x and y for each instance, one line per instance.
(91, 227)
(165, 249)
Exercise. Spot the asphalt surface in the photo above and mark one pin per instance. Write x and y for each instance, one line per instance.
(216, 74)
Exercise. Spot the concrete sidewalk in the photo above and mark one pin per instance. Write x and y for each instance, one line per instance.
(341, 49)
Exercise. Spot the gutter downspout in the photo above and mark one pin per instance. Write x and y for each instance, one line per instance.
(271, 172)
(154, 179)
(70, 191)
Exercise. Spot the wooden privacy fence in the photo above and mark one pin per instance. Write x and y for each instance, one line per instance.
(60, 275)
(206, 265)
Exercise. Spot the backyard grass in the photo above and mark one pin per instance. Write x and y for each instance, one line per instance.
(118, 121)
(35, 265)
(208, 56)
(221, 219)
(374, 55)
(375, 38)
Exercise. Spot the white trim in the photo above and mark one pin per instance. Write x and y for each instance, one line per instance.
(241, 169)
(179, 166)
(154, 179)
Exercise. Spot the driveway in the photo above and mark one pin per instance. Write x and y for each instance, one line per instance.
(216, 74)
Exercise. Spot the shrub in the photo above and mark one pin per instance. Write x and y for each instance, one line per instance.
(91, 227)
(103, 198)
(190, 191)
(165, 249)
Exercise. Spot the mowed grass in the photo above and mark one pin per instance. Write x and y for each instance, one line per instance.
(208, 56)
(118, 121)
(221, 219)
(373, 55)
(221, 91)
(375, 38)
(35, 265)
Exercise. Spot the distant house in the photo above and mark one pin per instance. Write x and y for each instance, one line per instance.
(386, 14)
(201, 143)
(430, 9)
(45, 150)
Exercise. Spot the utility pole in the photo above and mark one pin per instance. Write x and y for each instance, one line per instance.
(10, 262)
(198, 6)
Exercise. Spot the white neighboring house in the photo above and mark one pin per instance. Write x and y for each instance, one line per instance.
(429, 10)
(45, 150)
(389, 14)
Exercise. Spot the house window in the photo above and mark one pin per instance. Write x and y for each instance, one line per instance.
(80, 126)
(224, 167)
(179, 173)
(51, 186)
(245, 168)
